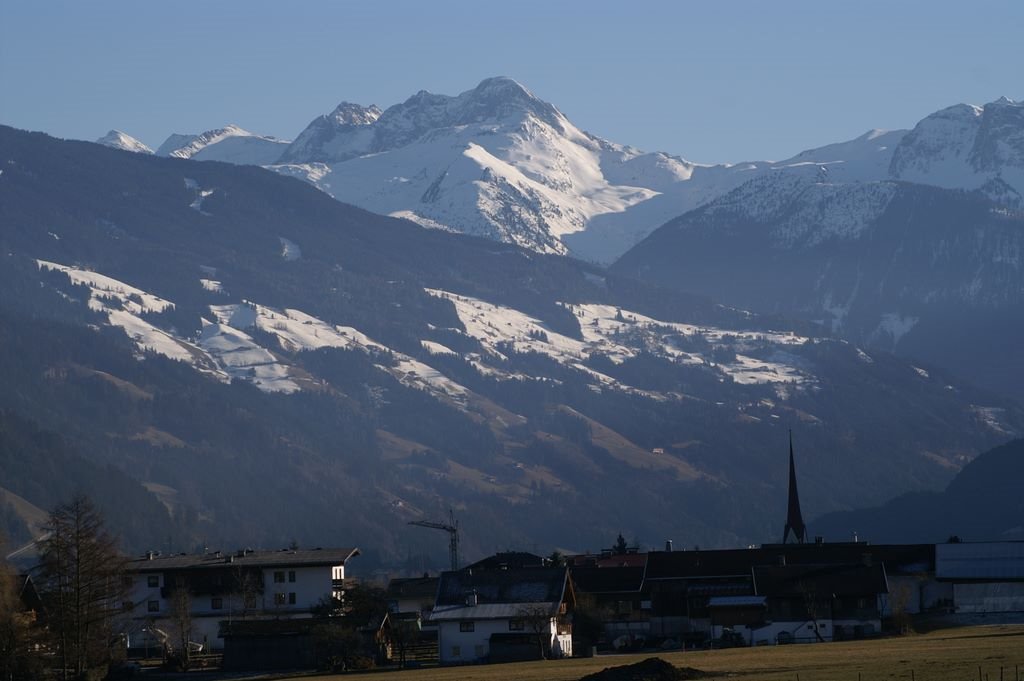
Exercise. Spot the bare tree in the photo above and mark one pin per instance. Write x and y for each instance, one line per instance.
(536, 619)
(82, 583)
(812, 604)
(181, 619)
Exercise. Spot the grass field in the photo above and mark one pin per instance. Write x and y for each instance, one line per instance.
(945, 655)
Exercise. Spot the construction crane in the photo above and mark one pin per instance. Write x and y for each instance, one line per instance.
(452, 528)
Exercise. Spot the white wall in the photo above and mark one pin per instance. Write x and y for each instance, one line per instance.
(474, 645)
(989, 597)
(310, 586)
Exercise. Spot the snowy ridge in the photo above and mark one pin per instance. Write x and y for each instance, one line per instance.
(805, 210)
(230, 144)
(967, 147)
(123, 141)
(498, 162)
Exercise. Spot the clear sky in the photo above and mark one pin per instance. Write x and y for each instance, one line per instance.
(712, 81)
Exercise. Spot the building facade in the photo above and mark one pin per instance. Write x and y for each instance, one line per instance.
(200, 592)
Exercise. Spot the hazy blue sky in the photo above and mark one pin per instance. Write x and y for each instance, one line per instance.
(711, 81)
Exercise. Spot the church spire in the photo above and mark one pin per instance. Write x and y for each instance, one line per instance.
(794, 519)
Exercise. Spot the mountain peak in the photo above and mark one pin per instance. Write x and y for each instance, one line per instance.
(349, 113)
(123, 141)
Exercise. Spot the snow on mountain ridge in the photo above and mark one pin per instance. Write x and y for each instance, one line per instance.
(123, 141)
(967, 147)
(231, 144)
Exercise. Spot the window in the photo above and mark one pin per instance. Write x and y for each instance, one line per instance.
(249, 601)
(291, 575)
(153, 581)
(278, 576)
(279, 599)
(153, 606)
(456, 651)
(516, 625)
(467, 626)
(480, 650)
(291, 598)
(216, 604)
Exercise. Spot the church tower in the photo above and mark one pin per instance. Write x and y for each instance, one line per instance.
(794, 518)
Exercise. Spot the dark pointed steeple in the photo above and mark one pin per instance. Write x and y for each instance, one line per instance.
(794, 518)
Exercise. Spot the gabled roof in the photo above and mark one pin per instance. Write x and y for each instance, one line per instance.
(285, 558)
(499, 593)
(526, 585)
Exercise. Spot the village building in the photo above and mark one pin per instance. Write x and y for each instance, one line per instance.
(208, 590)
(504, 615)
(984, 578)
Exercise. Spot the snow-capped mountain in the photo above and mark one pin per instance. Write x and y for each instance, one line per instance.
(325, 139)
(495, 161)
(124, 141)
(230, 144)
(968, 147)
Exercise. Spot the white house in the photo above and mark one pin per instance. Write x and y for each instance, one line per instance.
(222, 587)
(503, 615)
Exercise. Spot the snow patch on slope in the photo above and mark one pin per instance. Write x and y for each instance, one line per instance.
(104, 289)
(605, 330)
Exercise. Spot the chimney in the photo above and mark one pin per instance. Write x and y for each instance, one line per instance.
(668, 546)
(150, 555)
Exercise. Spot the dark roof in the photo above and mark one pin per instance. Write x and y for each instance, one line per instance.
(282, 558)
(898, 559)
(609, 560)
(688, 564)
(607, 579)
(996, 561)
(828, 580)
(525, 585)
(414, 587)
(509, 560)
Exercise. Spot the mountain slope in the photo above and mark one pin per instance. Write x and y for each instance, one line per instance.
(982, 503)
(935, 274)
(211, 330)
